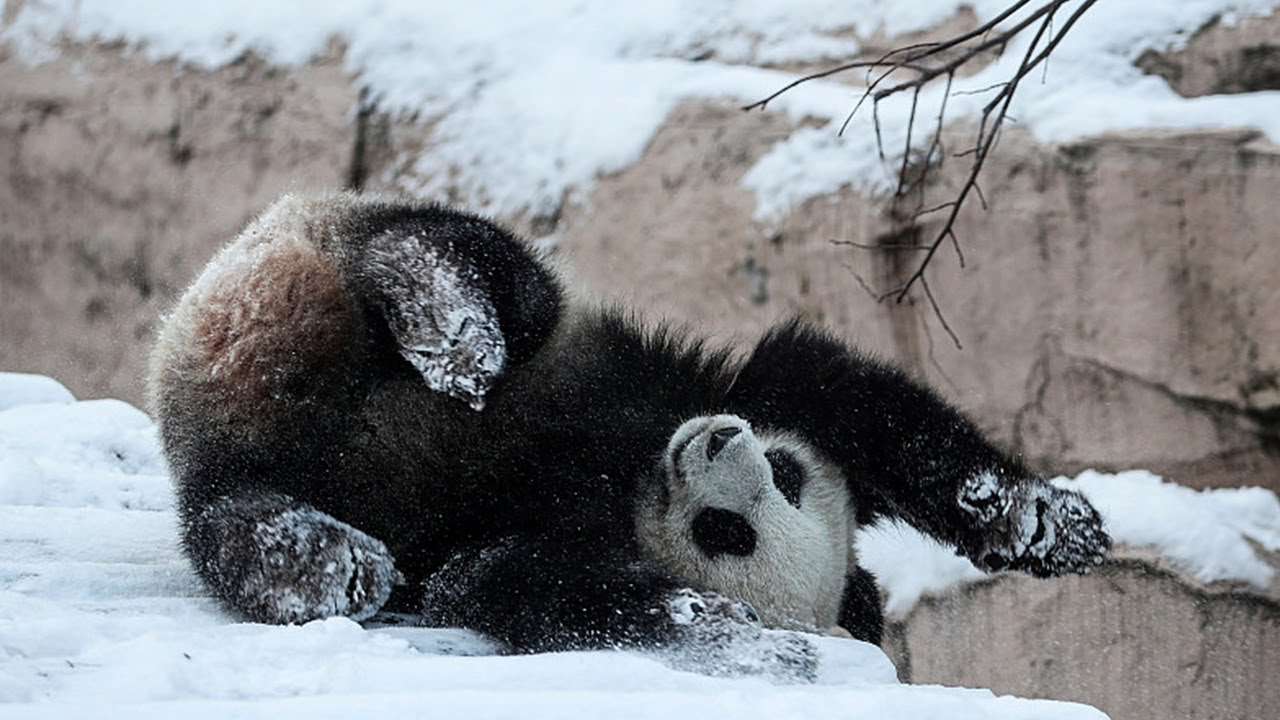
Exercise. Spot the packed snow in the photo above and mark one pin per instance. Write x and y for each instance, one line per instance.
(102, 616)
(530, 102)
(100, 613)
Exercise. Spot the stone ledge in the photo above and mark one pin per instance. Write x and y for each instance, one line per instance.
(1133, 639)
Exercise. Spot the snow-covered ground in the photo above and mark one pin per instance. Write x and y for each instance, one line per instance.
(532, 101)
(101, 615)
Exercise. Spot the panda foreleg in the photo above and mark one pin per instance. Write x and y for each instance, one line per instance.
(542, 596)
(909, 454)
(280, 561)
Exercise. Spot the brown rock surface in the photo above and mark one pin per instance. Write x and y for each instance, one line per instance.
(122, 177)
(1133, 640)
(1222, 58)
(1118, 307)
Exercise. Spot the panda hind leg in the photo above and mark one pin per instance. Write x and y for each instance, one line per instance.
(275, 560)
(544, 596)
(463, 299)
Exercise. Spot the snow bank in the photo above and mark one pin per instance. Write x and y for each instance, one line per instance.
(532, 101)
(101, 615)
(1204, 533)
(24, 389)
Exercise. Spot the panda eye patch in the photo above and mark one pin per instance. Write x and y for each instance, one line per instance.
(788, 475)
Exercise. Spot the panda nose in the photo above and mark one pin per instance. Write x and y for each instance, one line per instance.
(719, 439)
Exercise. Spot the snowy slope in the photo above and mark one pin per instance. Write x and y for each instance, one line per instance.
(101, 616)
(531, 101)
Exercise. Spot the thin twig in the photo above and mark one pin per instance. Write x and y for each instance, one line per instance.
(929, 61)
(937, 311)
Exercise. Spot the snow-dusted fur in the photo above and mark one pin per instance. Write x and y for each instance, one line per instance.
(359, 389)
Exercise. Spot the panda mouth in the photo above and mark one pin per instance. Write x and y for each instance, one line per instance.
(684, 437)
(677, 457)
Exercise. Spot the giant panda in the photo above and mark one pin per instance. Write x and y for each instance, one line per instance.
(364, 393)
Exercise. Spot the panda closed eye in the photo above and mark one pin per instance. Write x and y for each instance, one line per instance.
(788, 474)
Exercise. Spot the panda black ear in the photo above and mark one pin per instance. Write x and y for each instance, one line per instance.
(788, 474)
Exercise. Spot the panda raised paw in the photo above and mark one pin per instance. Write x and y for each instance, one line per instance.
(1032, 527)
(443, 322)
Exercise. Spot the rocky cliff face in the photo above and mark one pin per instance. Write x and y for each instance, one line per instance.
(1135, 640)
(1118, 305)
(120, 179)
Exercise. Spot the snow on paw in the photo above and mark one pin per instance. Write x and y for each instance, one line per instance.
(309, 565)
(1033, 527)
(689, 607)
(719, 636)
(442, 321)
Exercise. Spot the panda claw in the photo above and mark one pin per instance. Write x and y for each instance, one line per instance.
(1033, 527)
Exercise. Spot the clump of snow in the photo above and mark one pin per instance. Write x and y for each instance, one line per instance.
(102, 453)
(26, 389)
(533, 101)
(909, 565)
(1204, 533)
(101, 615)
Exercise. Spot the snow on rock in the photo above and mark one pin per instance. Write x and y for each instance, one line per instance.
(579, 88)
(101, 615)
(1204, 533)
(909, 565)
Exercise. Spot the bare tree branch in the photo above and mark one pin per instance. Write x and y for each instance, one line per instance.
(930, 61)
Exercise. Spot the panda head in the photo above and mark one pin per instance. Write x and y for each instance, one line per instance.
(760, 517)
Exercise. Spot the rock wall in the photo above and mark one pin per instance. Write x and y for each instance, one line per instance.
(121, 177)
(1134, 640)
(1118, 308)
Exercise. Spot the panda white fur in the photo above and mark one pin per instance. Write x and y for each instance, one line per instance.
(764, 519)
(361, 393)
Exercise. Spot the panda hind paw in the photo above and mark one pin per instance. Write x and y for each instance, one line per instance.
(308, 565)
(719, 636)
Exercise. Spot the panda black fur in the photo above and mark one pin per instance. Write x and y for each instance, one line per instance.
(362, 392)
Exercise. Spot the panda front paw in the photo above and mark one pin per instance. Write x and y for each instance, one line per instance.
(1032, 527)
(719, 636)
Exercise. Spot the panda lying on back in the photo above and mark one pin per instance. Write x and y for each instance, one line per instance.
(360, 392)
